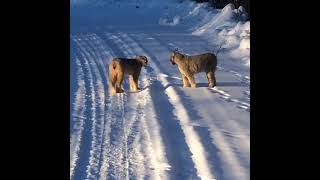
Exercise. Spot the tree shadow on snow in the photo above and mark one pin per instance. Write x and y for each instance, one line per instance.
(204, 134)
(177, 151)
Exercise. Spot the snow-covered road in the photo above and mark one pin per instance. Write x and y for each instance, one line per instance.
(164, 131)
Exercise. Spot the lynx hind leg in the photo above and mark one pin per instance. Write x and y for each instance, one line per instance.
(112, 80)
(211, 79)
(112, 89)
(135, 81)
(132, 83)
(119, 83)
(192, 81)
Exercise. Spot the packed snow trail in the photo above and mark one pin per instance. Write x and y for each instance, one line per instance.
(164, 131)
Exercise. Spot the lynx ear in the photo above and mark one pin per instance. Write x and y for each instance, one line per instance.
(145, 60)
(145, 57)
(172, 55)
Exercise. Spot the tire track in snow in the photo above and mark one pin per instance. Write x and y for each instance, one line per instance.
(131, 131)
(117, 154)
(135, 165)
(198, 151)
(157, 163)
(77, 118)
(134, 146)
(134, 134)
(115, 159)
(94, 38)
(178, 168)
(111, 119)
(244, 80)
(84, 151)
(142, 98)
(100, 53)
(97, 109)
(103, 55)
(100, 73)
(114, 165)
(226, 96)
(106, 147)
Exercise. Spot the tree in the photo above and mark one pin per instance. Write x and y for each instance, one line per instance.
(219, 4)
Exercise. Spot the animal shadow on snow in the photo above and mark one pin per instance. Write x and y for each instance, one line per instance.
(141, 89)
(221, 84)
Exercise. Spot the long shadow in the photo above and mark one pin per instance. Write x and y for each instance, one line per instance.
(177, 150)
(213, 151)
(204, 134)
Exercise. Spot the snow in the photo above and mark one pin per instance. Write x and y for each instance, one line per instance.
(228, 29)
(166, 21)
(245, 43)
(164, 131)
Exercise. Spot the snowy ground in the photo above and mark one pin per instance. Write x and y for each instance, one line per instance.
(164, 131)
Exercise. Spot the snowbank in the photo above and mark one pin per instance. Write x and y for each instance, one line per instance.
(226, 27)
(245, 43)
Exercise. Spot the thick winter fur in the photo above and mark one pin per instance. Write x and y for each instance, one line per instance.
(121, 66)
(191, 65)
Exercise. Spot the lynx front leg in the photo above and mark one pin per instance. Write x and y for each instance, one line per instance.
(185, 81)
(192, 81)
(135, 81)
(132, 86)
